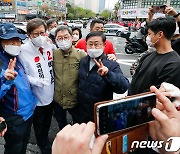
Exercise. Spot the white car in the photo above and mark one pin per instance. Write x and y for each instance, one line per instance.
(70, 24)
(20, 25)
(78, 24)
(114, 29)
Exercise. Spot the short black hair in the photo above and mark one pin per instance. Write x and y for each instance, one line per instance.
(165, 24)
(79, 30)
(63, 28)
(96, 33)
(99, 21)
(50, 21)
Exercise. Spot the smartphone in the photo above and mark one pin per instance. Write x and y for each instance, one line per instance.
(2, 126)
(159, 9)
(125, 113)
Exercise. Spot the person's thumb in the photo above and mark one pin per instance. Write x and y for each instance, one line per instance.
(99, 143)
(160, 117)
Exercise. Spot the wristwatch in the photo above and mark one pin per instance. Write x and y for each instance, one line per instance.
(175, 16)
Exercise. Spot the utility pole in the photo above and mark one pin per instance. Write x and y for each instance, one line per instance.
(65, 10)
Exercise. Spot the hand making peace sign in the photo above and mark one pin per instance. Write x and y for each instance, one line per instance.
(103, 70)
(10, 74)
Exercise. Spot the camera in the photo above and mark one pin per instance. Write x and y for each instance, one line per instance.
(159, 9)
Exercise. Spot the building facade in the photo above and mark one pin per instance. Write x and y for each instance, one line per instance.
(135, 9)
(18, 9)
(92, 5)
(7, 10)
(101, 5)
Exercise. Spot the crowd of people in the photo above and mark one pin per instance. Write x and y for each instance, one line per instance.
(56, 70)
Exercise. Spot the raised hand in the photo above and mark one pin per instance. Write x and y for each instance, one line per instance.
(150, 14)
(170, 11)
(10, 74)
(103, 70)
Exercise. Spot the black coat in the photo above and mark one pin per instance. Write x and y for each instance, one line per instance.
(94, 88)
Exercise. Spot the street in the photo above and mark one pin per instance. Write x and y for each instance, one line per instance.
(125, 62)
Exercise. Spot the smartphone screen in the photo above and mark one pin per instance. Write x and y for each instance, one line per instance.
(126, 113)
(159, 9)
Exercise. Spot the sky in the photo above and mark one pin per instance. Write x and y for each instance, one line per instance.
(110, 4)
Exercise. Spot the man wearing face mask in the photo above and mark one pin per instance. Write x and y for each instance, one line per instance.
(98, 25)
(98, 77)
(37, 59)
(51, 27)
(17, 102)
(66, 66)
(162, 65)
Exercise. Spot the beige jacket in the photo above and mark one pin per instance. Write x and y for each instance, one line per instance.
(66, 68)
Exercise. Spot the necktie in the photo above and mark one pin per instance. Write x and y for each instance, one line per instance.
(41, 50)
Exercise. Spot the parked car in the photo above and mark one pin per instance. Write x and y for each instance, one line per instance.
(74, 23)
(20, 25)
(70, 24)
(78, 24)
(62, 23)
(114, 29)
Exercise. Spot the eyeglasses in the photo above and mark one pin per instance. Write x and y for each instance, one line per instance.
(96, 45)
(37, 34)
(60, 39)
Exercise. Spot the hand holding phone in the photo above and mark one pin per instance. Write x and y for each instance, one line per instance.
(159, 9)
(125, 113)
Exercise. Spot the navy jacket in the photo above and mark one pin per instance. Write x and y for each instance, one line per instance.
(94, 88)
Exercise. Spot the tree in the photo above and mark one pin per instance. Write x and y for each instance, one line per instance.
(75, 12)
(116, 9)
(106, 14)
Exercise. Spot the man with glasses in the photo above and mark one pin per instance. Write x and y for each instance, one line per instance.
(98, 25)
(98, 77)
(66, 66)
(37, 59)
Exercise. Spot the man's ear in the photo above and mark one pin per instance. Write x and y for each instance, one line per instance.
(161, 34)
(91, 29)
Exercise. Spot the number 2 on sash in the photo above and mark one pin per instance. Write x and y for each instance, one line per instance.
(49, 55)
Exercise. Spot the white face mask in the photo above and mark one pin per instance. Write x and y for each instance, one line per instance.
(149, 43)
(52, 31)
(39, 41)
(75, 37)
(94, 53)
(64, 45)
(12, 50)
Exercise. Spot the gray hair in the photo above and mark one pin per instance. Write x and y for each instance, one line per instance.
(63, 28)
